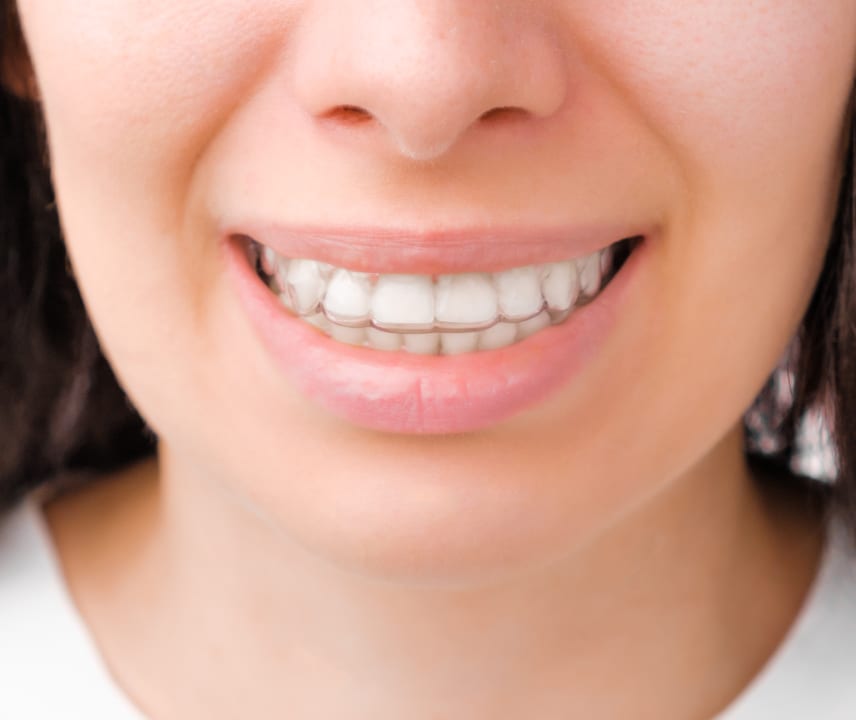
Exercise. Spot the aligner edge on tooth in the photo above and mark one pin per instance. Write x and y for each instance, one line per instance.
(605, 264)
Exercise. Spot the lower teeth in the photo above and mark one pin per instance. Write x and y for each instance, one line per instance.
(433, 343)
(445, 340)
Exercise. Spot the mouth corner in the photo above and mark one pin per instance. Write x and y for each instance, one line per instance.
(621, 251)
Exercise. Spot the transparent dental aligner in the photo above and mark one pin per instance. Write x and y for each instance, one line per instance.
(341, 300)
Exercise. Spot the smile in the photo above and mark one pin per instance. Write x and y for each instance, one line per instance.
(443, 332)
(447, 314)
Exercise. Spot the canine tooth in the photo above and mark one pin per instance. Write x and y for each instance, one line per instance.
(500, 335)
(305, 285)
(589, 269)
(530, 327)
(468, 298)
(351, 336)
(348, 295)
(403, 300)
(519, 292)
(561, 285)
(381, 340)
(422, 343)
(458, 342)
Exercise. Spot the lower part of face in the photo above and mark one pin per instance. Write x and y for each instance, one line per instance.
(714, 129)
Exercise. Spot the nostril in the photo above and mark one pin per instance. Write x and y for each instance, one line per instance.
(348, 114)
(499, 114)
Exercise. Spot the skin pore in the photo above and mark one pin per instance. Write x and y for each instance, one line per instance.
(605, 554)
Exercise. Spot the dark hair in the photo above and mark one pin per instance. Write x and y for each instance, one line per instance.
(61, 408)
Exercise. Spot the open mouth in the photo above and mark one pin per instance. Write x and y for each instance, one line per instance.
(447, 314)
(462, 331)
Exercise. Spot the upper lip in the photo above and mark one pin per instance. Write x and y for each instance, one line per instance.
(437, 251)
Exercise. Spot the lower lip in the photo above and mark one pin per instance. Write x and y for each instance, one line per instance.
(400, 392)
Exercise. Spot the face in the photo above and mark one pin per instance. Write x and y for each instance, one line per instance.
(444, 139)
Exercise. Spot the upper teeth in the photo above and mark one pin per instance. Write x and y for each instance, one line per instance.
(466, 302)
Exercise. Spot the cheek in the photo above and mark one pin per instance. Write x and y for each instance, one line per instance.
(718, 78)
(132, 93)
(134, 90)
(748, 97)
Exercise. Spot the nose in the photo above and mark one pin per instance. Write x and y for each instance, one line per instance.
(426, 72)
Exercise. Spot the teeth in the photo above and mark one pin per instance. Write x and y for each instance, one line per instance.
(326, 270)
(320, 321)
(519, 293)
(422, 343)
(269, 261)
(560, 285)
(349, 335)
(419, 314)
(499, 336)
(530, 327)
(305, 285)
(589, 269)
(403, 300)
(459, 342)
(467, 299)
(348, 296)
(382, 340)
(280, 272)
(606, 256)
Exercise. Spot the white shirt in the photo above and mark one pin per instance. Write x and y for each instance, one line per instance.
(50, 668)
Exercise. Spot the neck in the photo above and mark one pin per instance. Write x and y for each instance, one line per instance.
(652, 615)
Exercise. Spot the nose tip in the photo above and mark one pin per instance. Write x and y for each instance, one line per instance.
(423, 139)
(426, 74)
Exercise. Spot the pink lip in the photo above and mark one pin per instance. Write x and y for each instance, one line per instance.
(435, 252)
(404, 393)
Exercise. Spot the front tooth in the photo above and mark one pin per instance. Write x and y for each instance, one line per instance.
(459, 342)
(519, 292)
(305, 285)
(499, 336)
(560, 285)
(348, 296)
(589, 269)
(403, 300)
(468, 299)
(381, 340)
(422, 343)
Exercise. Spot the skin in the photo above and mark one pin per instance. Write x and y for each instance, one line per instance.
(276, 558)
